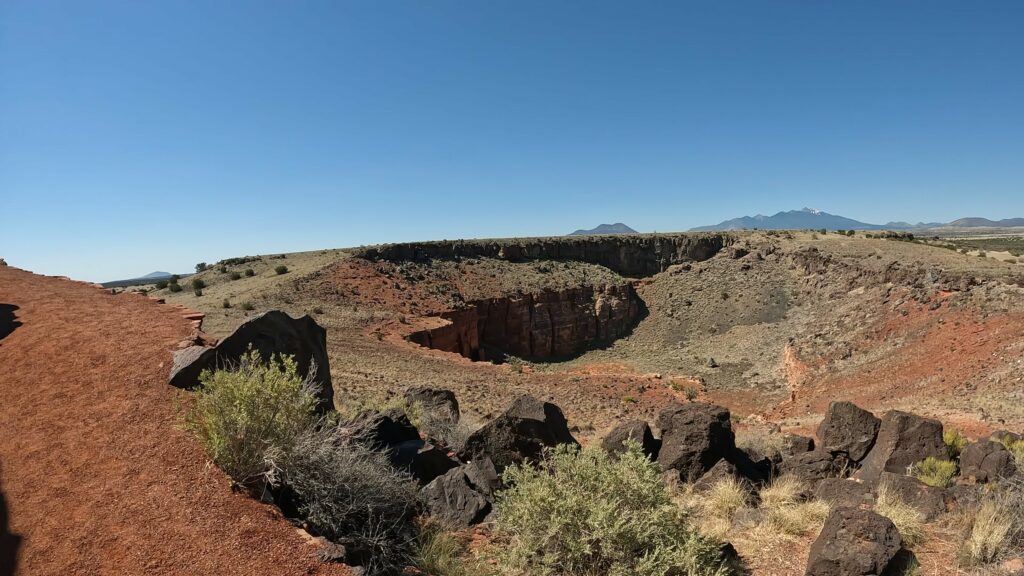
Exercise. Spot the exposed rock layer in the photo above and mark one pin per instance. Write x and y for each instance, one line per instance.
(544, 325)
(629, 255)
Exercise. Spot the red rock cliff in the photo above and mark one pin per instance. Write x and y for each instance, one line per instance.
(544, 325)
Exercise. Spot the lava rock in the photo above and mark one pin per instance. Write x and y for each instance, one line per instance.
(423, 460)
(270, 334)
(930, 500)
(1005, 436)
(844, 492)
(848, 429)
(452, 498)
(812, 467)
(986, 461)
(520, 433)
(438, 403)
(854, 542)
(636, 430)
(483, 476)
(903, 439)
(694, 436)
(385, 430)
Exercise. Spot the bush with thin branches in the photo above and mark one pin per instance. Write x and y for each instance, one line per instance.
(251, 412)
(582, 513)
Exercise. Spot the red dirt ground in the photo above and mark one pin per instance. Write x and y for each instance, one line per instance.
(96, 474)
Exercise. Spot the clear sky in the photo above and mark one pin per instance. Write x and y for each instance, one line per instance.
(141, 136)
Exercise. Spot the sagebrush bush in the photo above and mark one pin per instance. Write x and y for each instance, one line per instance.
(352, 495)
(198, 284)
(935, 472)
(252, 412)
(249, 272)
(235, 276)
(161, 284)
(580, 512)
(908, 519)
(174, 287)
(281, 269)
(955, 442)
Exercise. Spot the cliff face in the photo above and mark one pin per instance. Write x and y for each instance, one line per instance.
(629, 255)
(544, 325)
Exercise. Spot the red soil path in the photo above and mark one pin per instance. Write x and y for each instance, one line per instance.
(96, 474)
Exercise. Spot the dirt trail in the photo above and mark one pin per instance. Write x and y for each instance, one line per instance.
(96, 476)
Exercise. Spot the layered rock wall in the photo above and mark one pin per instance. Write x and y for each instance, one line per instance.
(548, 324)
(630, 255)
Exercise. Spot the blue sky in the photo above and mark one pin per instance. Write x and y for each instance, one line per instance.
(137, 136)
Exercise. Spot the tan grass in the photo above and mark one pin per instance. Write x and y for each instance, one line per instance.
(989, 533)
(909, 520)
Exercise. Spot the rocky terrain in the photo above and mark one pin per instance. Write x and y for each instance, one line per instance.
(837, 360)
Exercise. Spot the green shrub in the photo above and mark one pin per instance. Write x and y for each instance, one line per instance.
(249, 272)
(1015, 447)
(935, 472)
(251, 412)
(201, 267)
(197, 291)
(583, 513)
(353, 496)
(198, 284)
(691, 393)
(281, 269)
(955, 442)
(235, 276)
(174, 287)
(161, 284)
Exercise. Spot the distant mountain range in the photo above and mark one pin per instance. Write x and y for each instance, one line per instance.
(617, 228)
(816, 219)
(157, 275)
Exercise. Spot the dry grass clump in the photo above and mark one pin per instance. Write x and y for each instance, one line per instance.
(785, 511)
(908, 519)
(995, 529)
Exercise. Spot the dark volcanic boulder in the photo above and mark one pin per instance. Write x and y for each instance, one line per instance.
(384, 430)
(854, 542)
(437, 403)
(424, 461)
(844, 492)
(453, 499)
(986, 461)
(694, 437)
(635, 430)
(1005, 436)
(269, 334)
(811, 467)
(903, 440)
(849, 430)
(520, 433)
(796, 444)
(483, 476)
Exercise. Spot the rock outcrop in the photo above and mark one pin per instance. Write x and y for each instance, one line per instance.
(270, 334)
(849, 430)
(543, 325)
(903, 439)
(634, 256)
(636, 430)
(520, 433)
(694, 437)
(854, 542)
(986, 461)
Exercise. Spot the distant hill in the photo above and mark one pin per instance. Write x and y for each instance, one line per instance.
(980, 222)
(791, 220)
(147, 279)
(617, 228)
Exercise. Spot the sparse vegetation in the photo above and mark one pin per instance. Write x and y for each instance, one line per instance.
(281, 269)
(1016, 448)
(197, 291)
(247, 306)
(935, 472)
(235, 276)
(580, 513)
(174, 287)
(161, 284)
(786, 511)
(691, 393)
(201, 267)
(198, 284)
(353, 496)
(252, 412)
(995, 528)
(908, 519)
(955, 442)
(249, 272)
